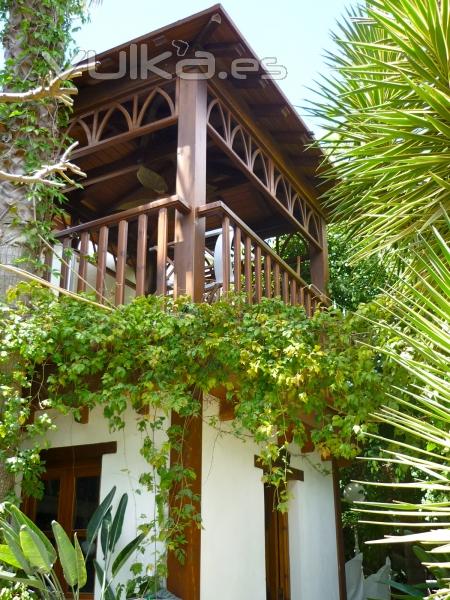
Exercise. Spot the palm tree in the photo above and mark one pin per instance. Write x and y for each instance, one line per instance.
(387, 118)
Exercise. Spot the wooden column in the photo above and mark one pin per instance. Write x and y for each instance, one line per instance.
(191, 187)
(319, 261)
(339, 534)
(183, 580)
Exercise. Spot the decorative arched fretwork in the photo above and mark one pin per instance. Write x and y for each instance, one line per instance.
(260, 168)
(132, 114)
(223, 123)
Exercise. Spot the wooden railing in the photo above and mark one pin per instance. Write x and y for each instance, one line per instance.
(251, 266)
(116, 249)
(132, 253)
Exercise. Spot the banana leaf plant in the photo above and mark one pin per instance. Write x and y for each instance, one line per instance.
(31, 557)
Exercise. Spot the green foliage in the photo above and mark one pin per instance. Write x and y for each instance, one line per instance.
(423, 323)
(29, 552)
(349, 284)
(354, 284)
(275, 364)
(38, 43)
(388, 125)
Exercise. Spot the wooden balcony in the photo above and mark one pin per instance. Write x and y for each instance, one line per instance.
(132, 253)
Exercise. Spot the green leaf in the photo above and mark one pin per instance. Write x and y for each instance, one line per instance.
(96, 520)
(66, 554)
(105, 532)
(80, 564)
(21, 519)
(413, 592)
(7, 556)
(34, 550)
(117, 524)
(125, 553)
(13, 541)
(29, 581)
(106, 587)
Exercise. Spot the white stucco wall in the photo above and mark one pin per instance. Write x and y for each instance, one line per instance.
(233, 551)
(121, 469)
(312, 534)
(233, 544)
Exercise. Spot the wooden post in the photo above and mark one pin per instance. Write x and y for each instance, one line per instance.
(319, 260)
(339, 535)
(191, 187)
(184, 580)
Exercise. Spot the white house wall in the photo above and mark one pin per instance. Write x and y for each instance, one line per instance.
(232, 542)
(312, 531)
(232, 539)
(121, 469)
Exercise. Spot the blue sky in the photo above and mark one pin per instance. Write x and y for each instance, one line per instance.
(294, 31)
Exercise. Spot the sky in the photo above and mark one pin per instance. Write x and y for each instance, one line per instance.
(296, 32)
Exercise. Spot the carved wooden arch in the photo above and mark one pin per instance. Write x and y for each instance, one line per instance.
(215, 106)
(85, 127)
(285, 198)
(273, 179)
(239, 133)
(298, 202)
(129, 107)
(149, 101)
(116, 107)
(259, 155)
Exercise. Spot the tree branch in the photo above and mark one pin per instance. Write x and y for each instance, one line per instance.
(52, 89)
(42, 175)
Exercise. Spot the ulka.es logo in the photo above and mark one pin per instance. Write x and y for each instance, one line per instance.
(135, 63)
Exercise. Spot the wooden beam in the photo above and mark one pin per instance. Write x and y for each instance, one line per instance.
(268, 110)
(191, 186)
(224, 49)
(291, 475)
(249, 83)
(53, 456)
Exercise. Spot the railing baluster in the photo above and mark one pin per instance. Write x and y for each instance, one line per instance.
(307, 302)
(101, 262)
(248, 269)
(268, 276)
(285, 287)
(237, 260)
(226, 254)
(82, 265)
(276, 276)
(293, 292)
(301, 296)
(161, 252)
(258, 277)
(141, 255)
(65, 261)
(121, 261)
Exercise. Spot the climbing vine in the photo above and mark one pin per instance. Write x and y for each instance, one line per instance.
(38, 44)
(275, 364)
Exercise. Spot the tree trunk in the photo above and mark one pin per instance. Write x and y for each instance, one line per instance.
(25, 66)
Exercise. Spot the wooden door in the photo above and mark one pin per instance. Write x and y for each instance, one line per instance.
(277, 548)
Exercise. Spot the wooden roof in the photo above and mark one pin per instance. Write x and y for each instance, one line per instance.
(261, 99)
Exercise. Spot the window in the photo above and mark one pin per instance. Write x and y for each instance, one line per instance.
(71, 495)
